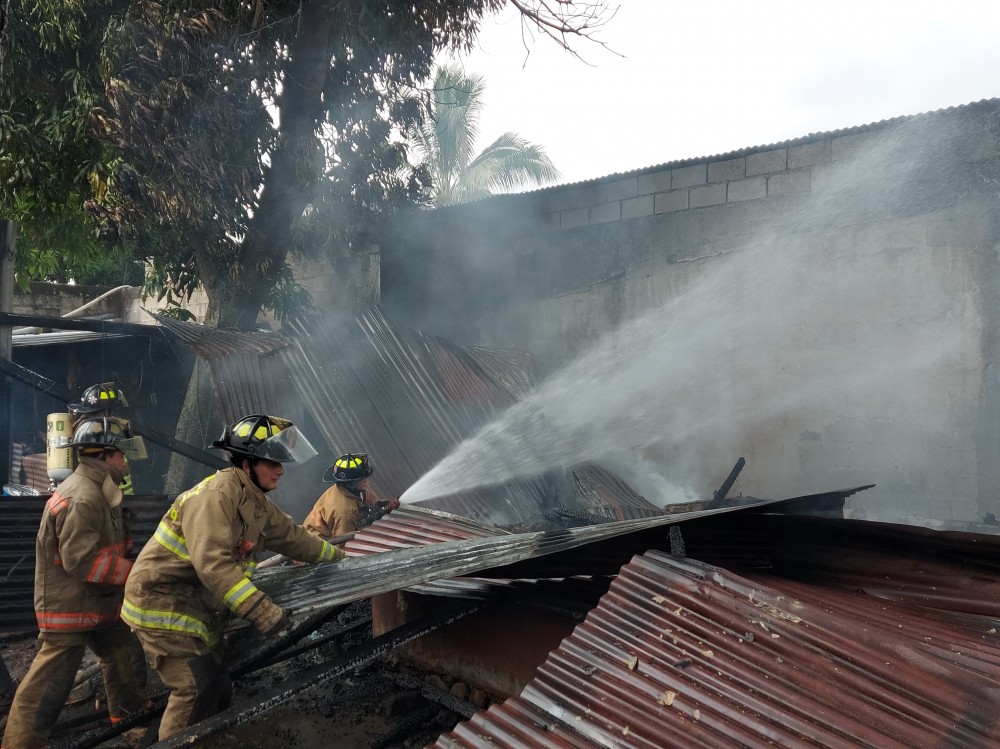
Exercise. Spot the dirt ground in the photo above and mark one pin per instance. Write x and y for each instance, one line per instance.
(380, 706)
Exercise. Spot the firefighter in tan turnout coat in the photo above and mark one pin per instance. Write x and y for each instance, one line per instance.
(194, 573)
(339, 509)
(80, 570)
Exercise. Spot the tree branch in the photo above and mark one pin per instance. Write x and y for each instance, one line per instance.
(563, 20)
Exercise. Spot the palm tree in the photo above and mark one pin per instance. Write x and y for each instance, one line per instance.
(445, 140)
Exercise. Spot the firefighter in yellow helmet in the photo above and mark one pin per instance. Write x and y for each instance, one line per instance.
(81, 565)
(102, 399)
(347, 505)
(195, 572)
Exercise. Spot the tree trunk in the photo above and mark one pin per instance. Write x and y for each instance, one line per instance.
(296, 166)
(197, 419)
(194, 426)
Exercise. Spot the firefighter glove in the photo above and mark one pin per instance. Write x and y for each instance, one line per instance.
(268, 617)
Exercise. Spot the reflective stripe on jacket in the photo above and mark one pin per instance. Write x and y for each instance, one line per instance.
(80, 552)
(195, 570)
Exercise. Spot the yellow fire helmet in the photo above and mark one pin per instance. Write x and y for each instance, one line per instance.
(267, 437)
(348, 468)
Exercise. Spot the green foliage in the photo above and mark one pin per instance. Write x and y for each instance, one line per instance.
(62, 245)
(142, 130)
(444, 142)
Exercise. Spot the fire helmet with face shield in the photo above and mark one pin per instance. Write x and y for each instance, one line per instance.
(349, 468)
(101, 398)
(93, 435)
(265, 437)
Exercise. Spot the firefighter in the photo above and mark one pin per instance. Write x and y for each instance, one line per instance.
(81, 566)
(346, 506)
(194, 573)
(101, 400)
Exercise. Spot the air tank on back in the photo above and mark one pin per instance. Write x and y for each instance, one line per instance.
(58, 453)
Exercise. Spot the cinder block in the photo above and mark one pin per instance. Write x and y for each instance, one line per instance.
(789, 182)
(767, 162)
(666, 202)
(572, 219)
(579, 197)
(601, 214)
(623, 189)
(809, 154)
(687, 176)
(655, 182)
(636, 207)
(848, 146)
(550, 220)
(723, 171)
(708, 195)
(746, 189)
(562, 200)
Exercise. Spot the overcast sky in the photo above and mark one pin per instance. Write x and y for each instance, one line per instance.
(702, 77)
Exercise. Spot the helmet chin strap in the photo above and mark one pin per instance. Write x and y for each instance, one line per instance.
(253, 474)
(354, 489)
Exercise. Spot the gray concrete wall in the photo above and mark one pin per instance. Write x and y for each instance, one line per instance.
(826, 307)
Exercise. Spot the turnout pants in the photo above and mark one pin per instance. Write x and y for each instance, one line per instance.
(43, 691)
(195, 675)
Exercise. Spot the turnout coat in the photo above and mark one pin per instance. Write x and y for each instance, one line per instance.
(336, 512)
(195, 570)
(80, 552)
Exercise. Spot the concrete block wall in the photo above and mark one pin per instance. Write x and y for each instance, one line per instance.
(755, 176)
(556, 270)
(56, 300)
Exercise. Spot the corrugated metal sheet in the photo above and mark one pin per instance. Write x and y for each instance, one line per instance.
(407, 399)
(682, 654)
(305, 589)
(241, 365)
(214, 343)
(28, 340)
(413, 525)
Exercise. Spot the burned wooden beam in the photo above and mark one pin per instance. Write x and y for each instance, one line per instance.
(269, 700)
(719, 498)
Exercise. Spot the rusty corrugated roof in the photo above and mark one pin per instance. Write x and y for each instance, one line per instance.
(304, 589)
(407, 398)
(682, 654)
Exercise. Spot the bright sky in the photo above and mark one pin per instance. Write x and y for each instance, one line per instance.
(703, 77)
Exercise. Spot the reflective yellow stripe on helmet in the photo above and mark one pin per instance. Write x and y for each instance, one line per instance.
(352, 463)
(171, 621)
(260, 433)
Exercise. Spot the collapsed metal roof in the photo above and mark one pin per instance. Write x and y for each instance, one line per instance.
(407, 398)
(680, 653)
(782, 633)
(418, 549)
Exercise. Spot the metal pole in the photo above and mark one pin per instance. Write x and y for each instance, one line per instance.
(8, 235)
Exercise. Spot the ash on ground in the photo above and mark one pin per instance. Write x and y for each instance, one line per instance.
(383, 705)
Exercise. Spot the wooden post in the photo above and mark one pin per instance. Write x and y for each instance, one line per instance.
(8, 235)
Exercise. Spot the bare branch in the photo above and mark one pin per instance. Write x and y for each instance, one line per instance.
(565, 20)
